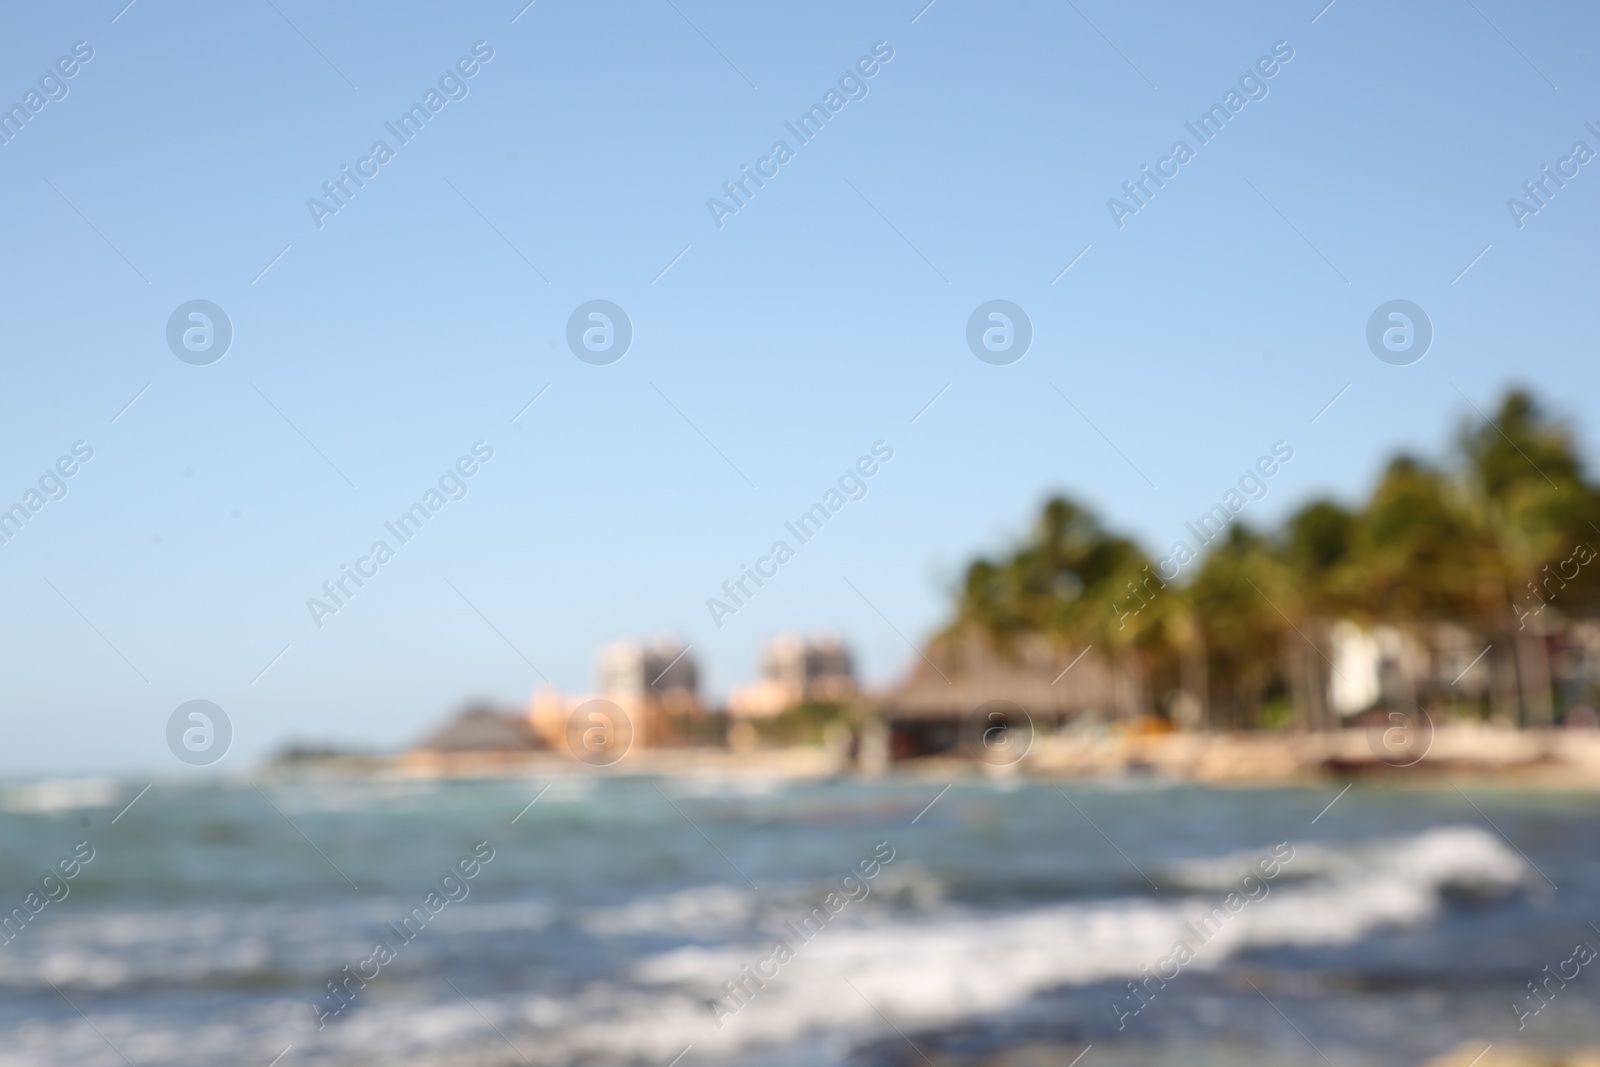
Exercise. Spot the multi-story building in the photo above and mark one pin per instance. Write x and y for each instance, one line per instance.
(662, 668)
(794, 671)
(655, 683)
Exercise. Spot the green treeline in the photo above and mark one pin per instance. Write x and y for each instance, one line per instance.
(1487, 547)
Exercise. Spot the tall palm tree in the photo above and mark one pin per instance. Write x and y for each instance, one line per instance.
(1074, 582)
(1531, 507)
(1064, 580)
(1499, 539)
(1318, 550)
(1236, 596)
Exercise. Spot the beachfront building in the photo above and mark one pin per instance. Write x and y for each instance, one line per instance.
(663, 668)
(656, 684)
(959, 685)
(797, 670)
(1545, 673)
(477, 740)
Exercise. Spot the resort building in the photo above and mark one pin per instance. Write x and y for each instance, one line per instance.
(794, 671)
(958, 682)
(655, 683)
(478, 739)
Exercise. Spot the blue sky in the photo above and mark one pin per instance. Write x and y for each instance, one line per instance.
(821, 318)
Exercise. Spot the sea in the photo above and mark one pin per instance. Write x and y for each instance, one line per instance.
(615, 919)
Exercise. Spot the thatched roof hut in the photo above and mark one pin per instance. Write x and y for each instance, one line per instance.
(958, 681)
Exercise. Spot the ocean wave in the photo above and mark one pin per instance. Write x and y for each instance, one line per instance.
(934, 965)
(972, 964)
(497, 917)
(1459, 857)
(94, 948)
(701, 911)
(708, 911)
(53, 795)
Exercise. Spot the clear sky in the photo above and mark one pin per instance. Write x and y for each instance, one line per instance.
(768, 353)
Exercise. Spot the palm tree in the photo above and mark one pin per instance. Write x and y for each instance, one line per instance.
(1497, 539)
(1062, 580)
(1236, 595)
(1531, 507)
(1077, 584)
(1318, 550)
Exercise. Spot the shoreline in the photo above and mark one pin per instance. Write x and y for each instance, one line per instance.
(1458, 755)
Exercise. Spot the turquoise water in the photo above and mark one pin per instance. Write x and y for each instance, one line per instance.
(1002, 928)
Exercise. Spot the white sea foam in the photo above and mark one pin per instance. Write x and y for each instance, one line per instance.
(941, 968)
(77, 944)
(698, 912)
(973, 964)
(59, 794)
(936, 966)
(708, 911)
